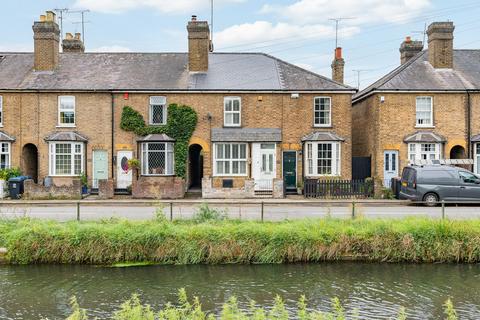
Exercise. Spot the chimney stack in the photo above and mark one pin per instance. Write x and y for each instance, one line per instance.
(46, 36)
(73, 44)
(440, 44)
(338, 66)
(409, 49)
(199, 45)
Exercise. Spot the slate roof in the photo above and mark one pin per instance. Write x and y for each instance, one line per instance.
(160, 71)
(5, 137)
(66, 136)
(425, 136)
(417, 74)
(246, 135)
(322, 136)
(156, 137)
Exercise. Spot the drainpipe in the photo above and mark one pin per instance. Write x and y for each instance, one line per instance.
(113, 133)
(469, 125)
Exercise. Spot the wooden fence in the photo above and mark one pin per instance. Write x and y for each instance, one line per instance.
(338, 189)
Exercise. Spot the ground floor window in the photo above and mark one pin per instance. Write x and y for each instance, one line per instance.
(230, 159)
(66, 158)
(323, 158)
(157, 158)
(477, 157)
(4, 155)
(424, 151)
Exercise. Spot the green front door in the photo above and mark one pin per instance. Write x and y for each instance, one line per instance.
(100, 166)
(290, 169)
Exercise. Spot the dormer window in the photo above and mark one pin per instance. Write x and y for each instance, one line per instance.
(158, 110)
(232, 111)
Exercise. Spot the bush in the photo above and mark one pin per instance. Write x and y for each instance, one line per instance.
(7, 173)
(205, 214)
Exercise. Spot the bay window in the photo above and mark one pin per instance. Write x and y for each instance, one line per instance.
(158, 110)
(232, 111)
(323, 158)
(230, 159)
(322, 112)
(5, 155)
(66, 111)
(157, 158)
(424, 151)
(66, 158)
(424, 112)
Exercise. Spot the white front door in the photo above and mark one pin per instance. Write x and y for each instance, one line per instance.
(124, 176)
(390, 166)
(99, 166)
(263, 165)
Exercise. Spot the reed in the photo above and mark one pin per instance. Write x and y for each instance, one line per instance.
(133, 309)
(215, 242)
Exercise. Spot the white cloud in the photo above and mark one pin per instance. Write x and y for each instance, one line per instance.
(113, 48)
(316, 11)
(163, 6)
(253, 34)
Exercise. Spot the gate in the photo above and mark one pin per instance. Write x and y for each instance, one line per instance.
(361, 168)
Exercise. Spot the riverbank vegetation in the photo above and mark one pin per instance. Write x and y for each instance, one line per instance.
(214, 240)
(133, 309)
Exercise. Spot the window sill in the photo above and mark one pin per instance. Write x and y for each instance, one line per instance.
(232, 126)
(323, 176)
(230, 176)
(424, 127)
(65, 126)
(157, 175)
(157, 124)
(322, 126)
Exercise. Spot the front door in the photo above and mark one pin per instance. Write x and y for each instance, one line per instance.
(124, 176)
(263, 165)
(290, 170)
(390, 166)
(99, 167)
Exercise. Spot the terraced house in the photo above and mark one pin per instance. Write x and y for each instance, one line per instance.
(261, 124)
(425, 111)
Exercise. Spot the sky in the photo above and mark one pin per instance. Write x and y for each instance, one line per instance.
(298, 31)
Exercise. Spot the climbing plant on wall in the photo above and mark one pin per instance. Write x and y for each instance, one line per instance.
(181, 123)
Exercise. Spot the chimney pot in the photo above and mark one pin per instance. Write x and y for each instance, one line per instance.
(78, 36)
(408, 39)
(68, 36)
(194, 18)
(43, 18)
(51, 16)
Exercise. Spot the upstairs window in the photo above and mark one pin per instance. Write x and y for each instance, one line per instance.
(4, 155)
(66, 111)
(322, 112)
(232, 111)
(157, 159)
(158, 110)
(66, 158)
(1, 111)
(424, 112)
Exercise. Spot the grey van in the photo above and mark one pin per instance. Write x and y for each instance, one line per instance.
(433, 183)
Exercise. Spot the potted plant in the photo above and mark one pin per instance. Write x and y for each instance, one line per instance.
(133, 164)
(84, 181)
(300, 187)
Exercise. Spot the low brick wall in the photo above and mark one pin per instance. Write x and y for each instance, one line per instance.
(35, 191)
(158, 188)
(212, 190)
(105, 189)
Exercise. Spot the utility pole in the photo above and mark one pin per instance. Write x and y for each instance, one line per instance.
(337, 21)
(359, 71)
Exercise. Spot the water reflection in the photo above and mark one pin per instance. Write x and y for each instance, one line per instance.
(375, 290)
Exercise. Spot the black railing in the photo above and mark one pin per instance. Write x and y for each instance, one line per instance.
(338, 189)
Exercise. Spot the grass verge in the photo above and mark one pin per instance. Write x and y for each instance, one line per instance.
(213, 242)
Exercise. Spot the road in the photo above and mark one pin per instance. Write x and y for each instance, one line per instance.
(65, 211)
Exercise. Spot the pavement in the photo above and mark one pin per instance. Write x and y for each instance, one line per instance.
(251, 209)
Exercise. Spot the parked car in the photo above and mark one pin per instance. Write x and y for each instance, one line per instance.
(433, 183)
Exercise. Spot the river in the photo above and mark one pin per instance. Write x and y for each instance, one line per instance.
(376, 290)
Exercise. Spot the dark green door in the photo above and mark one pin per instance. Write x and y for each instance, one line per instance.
(290, 169)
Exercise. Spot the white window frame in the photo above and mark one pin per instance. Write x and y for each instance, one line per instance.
(225, 112)
(415, 151)
(150, 110)
(1, 111)
(417, 119)
(230, 160)
(52, 158)
(476, 154)
(60, 110)
(168, 149)
(311, 159)
(315, 123)
(8, 153)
